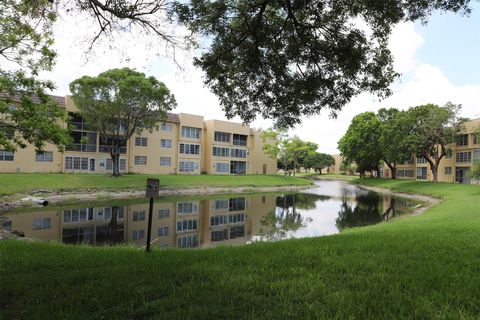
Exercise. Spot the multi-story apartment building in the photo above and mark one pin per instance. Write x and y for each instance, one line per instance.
(183, 144)
(462, 153)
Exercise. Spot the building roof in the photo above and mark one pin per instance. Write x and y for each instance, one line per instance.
(173, 117)
(35, 99)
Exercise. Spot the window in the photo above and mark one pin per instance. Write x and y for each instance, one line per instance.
(188, 241)
(109, 164)
(166, 127)
(187, 148)
(476, 138)
(237, 204)
(462, 157)
(222, 167)
(187, 207)
(42, 223)
(409, 173)
(448, 153)
(163, 213)
(138, 215)
(140, 160)
(165, 143)
(6, 155)
(462, 140)
(138, 234)
(221, 204)
(220, 152)
(218, 220)
(235, 218)
(421, 160)
(76, 163)
(189, 132)
(162, 231)
(237, 232)
(410, 161)
(165, 161)
(448, 170)
(239, 140)
(141, 142)
(46, 156)
(422, 173)
(187, 166)
(221, 136)
(186, 225)
(239, 153)
(401, 173)
(219, 235)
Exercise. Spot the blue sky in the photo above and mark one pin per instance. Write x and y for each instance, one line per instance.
(452, 42)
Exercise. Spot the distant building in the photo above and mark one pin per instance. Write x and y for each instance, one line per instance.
(183, 144)
(462, 153)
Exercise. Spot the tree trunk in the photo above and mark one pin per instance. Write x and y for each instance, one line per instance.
(320, 171)
(435, 173)
(393, 169)
(114, 226)
(115, 155)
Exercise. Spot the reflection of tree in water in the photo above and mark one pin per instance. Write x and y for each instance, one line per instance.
(285, 217)
(366, 211)
(113, 230)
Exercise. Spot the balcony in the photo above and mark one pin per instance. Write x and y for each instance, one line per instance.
(82, 147)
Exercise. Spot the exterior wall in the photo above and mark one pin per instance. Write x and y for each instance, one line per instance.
(335, 169)
(261, 163)
(192, 121)
(154, 151)
(25, 161)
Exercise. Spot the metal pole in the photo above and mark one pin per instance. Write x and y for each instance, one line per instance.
(149, 231)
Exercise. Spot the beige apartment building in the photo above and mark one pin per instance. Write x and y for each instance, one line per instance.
(183, 144)
(454, 167)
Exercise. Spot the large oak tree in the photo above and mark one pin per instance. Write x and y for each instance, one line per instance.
(120, 102)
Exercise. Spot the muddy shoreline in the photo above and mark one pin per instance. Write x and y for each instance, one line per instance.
(67, 197)
(430, 201)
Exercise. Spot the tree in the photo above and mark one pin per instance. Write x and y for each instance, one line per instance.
(391, 141)
(120, 102)
(318, 161)
(279, 59)
(283, 59)
(360, 144)
(274, 145)
(27, 112)
(429, 129)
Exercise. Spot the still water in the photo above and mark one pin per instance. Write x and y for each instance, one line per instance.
(186, 222)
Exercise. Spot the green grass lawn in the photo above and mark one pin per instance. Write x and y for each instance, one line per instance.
(418, 267)
(12, 183)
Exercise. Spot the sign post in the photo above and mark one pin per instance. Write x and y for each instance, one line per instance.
(152, 192)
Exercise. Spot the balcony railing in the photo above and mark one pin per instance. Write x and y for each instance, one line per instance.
(106, 149)
(82, 147)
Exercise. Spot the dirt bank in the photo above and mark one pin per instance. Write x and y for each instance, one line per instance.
(431, 201)
(66, 197)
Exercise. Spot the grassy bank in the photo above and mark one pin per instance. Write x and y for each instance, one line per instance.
(27, 182)
(420, 267)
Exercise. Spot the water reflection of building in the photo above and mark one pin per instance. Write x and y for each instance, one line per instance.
(188, 223)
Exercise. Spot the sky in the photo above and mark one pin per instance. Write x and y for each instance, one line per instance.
(438, 62)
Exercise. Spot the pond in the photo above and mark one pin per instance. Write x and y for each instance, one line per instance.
(189, 222)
